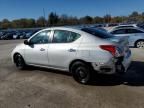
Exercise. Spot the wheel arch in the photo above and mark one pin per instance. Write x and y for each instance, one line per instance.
(14, 55)
(78, 60)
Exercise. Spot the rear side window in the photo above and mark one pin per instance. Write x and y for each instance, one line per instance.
(73, 37)
(63, 36)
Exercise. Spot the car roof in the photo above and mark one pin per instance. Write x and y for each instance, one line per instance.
(132, 25)
(124, 26)
(69, 28)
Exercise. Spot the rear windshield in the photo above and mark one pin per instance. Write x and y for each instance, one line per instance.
(97, 33)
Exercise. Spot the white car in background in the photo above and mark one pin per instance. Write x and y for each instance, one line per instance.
(135, 35)
(80, 51)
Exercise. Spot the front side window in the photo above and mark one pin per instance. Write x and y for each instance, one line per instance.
(62, 36)
(41, 38)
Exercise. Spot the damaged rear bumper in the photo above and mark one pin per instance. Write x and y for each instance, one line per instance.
(114, 65)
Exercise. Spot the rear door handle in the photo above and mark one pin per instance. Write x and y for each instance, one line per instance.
(42, 49)
(72, 50)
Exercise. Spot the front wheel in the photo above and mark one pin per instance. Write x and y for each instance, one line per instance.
(19, 62)
(81, 72)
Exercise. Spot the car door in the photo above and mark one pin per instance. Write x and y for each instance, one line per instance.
(120, 32)
(136, 34)
(63, 48)
(126, 32)
(37, 52)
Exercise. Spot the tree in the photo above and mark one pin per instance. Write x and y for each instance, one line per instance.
(64, 19)
(41, 22)
(15, 24)
(86, 20)
(134, 14)
(73, 20)
(117, 19)
(98, 19)
(5, 24)
(53, 19)
(134, 17)
(0, 24)
(31, 23)
(23, 23)
(107, 18)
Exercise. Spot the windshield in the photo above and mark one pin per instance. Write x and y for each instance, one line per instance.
(98, 33)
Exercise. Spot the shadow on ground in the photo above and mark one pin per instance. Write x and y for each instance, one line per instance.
(31, 68)
(133, 77)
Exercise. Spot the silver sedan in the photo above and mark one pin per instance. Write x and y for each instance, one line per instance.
(80, 51)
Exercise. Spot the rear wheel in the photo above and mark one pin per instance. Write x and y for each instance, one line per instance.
(140, 44)
(19, 62)
(81, 72)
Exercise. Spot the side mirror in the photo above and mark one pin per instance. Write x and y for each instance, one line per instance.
(26, 42)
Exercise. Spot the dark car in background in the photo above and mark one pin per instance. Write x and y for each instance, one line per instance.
(2, 34)
(29, 33)
(7, 36)
(17, 34)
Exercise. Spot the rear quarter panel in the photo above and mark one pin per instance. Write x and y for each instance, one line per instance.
(90, 51)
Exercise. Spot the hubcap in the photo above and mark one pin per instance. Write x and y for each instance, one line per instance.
(82, 74)
(140, 44)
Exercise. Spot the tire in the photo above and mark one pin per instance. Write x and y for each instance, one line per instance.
(81, 72)
(19, 62)
(140, 44)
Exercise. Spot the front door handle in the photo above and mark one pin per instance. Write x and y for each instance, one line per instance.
(42, 49)
(72, 50)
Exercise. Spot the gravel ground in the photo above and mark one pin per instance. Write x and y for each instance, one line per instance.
(44, 88)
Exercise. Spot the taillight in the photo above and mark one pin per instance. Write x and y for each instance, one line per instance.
(110, 48)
